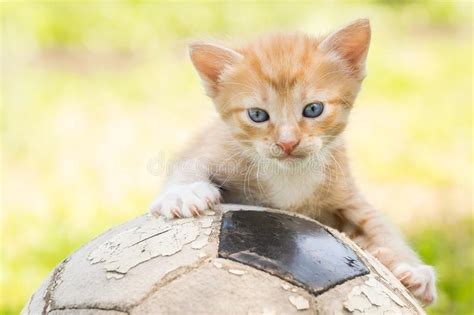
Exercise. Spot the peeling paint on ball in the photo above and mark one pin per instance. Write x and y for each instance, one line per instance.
(156, 266)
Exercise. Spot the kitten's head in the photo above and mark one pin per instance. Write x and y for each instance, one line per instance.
(286, 96)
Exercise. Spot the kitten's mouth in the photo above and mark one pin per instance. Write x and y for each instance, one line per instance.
(291, 157)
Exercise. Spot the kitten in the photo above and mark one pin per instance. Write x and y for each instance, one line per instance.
(283, 102)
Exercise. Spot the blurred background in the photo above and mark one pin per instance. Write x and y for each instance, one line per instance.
(94, 92)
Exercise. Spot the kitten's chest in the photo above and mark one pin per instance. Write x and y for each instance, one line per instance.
(293, 189)
(290, 191)
(304, 193)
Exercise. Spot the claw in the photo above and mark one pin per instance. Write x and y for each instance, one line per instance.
(405, 276)
(428, 299)
(209, 202)
(155, 212)
(414, 286)
(176, 213)
(194, 210)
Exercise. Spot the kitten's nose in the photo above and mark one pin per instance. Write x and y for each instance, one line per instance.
(288, 146)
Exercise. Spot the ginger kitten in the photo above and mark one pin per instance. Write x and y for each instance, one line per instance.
(283, 102)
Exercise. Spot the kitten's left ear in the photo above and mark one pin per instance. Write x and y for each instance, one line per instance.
(211, 61)
(351, 43)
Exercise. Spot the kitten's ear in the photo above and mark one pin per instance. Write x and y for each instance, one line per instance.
(351, 43)
(211, 61)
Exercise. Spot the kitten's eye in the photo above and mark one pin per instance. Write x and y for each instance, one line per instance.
(258, 115)
(313, 110)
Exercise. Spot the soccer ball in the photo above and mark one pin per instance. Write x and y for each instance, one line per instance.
(236, 260)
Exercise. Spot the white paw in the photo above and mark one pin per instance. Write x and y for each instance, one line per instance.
(420, 280)
(185, 200)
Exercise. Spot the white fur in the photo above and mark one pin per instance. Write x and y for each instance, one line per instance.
(286, 133)
(183, 198)
(420, 280)
(289, 189)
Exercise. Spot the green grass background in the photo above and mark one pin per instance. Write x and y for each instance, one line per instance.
(93, 92)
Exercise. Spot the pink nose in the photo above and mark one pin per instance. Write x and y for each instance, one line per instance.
(288, 146)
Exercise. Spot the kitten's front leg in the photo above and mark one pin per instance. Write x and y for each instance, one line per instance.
(187, 193)
(376, 236)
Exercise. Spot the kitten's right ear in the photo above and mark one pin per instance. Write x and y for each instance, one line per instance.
(351, 43)
(211, 61)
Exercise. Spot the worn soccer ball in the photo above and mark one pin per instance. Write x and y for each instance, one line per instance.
(238, 260)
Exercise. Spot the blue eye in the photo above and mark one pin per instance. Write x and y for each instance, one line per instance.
(313, 110)
(258, 115)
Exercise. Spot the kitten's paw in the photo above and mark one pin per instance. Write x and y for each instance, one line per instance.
(420, 280)
(185, 200)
